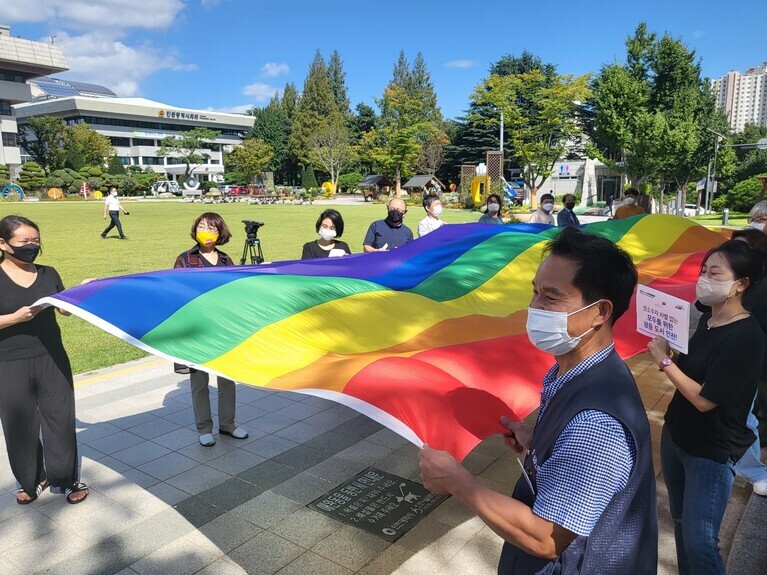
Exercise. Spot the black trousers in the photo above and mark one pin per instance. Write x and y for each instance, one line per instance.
(115, 217)
(37, 394)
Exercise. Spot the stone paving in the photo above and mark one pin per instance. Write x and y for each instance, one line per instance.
(162, 504)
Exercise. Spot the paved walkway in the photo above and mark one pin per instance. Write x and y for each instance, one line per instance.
(162, 504)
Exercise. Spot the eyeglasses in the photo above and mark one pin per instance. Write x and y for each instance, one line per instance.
(206, 228)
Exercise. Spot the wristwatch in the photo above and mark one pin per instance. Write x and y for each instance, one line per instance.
(665, 362)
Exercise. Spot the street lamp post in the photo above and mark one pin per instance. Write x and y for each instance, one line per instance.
(501, 111)
(712, 185)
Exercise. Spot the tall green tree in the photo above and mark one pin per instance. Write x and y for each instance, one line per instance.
(651, 118)
(86, 147)
(479, 129)
(290, 99)
(190, 147)
(316, 111)
(272, 125)
(409, 120)
(541, 116)
(43, 138)
(338, 83)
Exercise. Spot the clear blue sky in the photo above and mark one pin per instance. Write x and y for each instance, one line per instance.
(233, 54)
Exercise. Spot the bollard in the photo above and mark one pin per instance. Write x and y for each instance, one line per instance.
(725, 216)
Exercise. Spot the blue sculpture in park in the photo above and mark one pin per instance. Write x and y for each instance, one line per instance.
(12, 188)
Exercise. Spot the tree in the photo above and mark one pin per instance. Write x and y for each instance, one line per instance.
(478, 130)
(47, 145)
(651, 118)
(290, 100)
(308, 179)
(330, 148)
(114, 166)
(316, 111)
(409, 120)
(338, 83)
(541, 115)
(5, 175)
(363, 120)
(251, 158)
(272, 126)
(86, 147)
(189, 147)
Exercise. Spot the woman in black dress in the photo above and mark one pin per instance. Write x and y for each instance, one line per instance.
(37, 390)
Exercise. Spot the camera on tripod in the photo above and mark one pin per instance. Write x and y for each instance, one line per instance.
(252, 249)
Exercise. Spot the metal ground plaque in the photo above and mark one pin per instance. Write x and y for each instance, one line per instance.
(378, 502)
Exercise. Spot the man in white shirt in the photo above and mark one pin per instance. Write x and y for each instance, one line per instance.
(433, 206)
(113, 207)
(543, 214)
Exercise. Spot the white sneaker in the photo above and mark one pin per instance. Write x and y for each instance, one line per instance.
(760, 487)
(206, 440)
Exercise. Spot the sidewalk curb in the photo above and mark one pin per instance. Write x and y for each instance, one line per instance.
(749, 546)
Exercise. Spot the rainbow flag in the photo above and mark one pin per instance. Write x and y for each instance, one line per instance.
(428, 339)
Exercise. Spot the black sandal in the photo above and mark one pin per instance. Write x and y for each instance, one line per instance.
(76, 488)
(42, 486)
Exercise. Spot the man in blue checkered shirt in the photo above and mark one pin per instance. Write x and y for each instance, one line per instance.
(586, 500)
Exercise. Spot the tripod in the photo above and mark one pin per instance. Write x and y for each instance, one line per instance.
(252, 251)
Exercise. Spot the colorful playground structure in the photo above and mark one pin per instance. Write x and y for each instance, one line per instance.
(477, 180)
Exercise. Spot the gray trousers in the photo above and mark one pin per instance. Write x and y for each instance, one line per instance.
(201, 402)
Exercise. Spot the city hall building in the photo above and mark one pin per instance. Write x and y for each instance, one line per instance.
(135, 126)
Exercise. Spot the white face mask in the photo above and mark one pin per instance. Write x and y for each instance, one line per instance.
(711, 292)
(757, 226)
(547, 207)
(547, 330)
(493, 208)
(327, 234)
(629, 201)
(437, 210)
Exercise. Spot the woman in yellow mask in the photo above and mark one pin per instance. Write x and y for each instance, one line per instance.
(209, 231)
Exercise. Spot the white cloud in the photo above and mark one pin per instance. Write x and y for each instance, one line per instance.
(239, 109)
(105, 15)
(698, 34)
(261, 92)
(107, 61)
(460, 64)
(272, 69)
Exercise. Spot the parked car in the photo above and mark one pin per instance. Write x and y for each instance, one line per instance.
(239, 191)
(689, 211)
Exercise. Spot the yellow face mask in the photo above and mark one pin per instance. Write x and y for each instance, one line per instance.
(206, 238)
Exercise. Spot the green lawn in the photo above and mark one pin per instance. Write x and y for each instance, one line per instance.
(158, 232)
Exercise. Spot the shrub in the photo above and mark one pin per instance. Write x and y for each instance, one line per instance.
(742, 196)
(31, 176)
(349, 182)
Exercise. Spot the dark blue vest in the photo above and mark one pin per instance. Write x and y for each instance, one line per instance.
(625, 538)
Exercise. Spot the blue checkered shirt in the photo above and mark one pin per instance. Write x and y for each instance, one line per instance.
(591, 461)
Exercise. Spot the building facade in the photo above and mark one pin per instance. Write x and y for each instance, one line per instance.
(21, 60)
(743, 97)
(137, 126)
